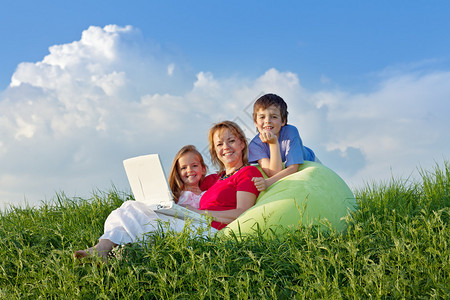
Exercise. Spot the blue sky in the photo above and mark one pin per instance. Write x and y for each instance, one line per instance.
(366, 83)
(344, 40)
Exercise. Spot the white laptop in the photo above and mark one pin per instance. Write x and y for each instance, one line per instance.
(149, 185)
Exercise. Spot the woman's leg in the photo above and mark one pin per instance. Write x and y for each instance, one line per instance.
(102, 248)
(126, 224)
(130, 222)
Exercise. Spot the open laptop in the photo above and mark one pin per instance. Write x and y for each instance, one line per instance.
(149, 185)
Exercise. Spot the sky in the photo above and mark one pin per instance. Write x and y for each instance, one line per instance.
(87, 84)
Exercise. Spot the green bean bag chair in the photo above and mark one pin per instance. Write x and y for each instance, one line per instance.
(315, 195)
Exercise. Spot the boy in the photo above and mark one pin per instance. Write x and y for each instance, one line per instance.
(277, 141)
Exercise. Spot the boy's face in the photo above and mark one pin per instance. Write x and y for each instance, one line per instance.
(269, 120)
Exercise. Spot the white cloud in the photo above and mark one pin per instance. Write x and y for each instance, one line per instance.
(68, 121)
(170, 69)
(402, 124)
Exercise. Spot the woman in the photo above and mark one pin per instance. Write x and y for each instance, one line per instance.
(232, 194)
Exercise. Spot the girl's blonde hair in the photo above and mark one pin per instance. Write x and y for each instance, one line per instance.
(175, 182)
(236, 131)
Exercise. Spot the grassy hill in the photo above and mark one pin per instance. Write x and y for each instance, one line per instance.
(396, 246)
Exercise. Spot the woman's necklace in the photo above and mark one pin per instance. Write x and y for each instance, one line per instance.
(225, 176)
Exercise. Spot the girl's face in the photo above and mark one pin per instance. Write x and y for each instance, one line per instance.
(190, 169)
(228, 147)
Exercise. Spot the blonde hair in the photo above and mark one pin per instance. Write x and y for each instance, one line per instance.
(175, 182)
(235, 130)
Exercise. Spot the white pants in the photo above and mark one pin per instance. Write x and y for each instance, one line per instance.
(132, 220)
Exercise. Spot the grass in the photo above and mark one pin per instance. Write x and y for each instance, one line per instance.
(396, 247)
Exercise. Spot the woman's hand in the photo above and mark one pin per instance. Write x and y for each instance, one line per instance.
(244, 201)
(260, 183)
(194, 209)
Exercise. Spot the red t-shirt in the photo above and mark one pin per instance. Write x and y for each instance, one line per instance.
(209, 181)
(222, 195)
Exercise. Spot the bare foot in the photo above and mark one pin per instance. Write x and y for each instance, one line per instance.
(102, 249)
(83, 253)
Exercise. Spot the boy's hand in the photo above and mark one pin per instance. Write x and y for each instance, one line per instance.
(260, 183)
(268, 137)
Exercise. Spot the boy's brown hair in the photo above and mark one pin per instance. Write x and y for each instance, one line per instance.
(268, 100)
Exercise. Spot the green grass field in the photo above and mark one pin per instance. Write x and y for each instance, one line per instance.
(396, 247)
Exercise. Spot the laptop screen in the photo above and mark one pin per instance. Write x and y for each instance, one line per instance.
(147, 179)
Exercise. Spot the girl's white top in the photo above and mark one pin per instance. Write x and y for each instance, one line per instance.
(190, 198)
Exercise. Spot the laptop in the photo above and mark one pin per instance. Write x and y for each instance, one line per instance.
(149, 185)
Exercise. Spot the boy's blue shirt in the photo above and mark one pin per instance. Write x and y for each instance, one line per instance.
(291, 148)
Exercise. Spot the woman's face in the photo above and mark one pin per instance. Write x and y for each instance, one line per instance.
(190, 169)
(228, 147)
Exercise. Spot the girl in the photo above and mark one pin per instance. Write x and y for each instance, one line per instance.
(187, 173)
(130, 222)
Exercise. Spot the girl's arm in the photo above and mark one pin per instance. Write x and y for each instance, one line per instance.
(244, 201)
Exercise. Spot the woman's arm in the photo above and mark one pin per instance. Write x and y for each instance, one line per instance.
(244, 201)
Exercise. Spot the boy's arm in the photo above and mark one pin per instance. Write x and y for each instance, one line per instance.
(295, 150)
(262, 184)
(288, 171)
(272, 165)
